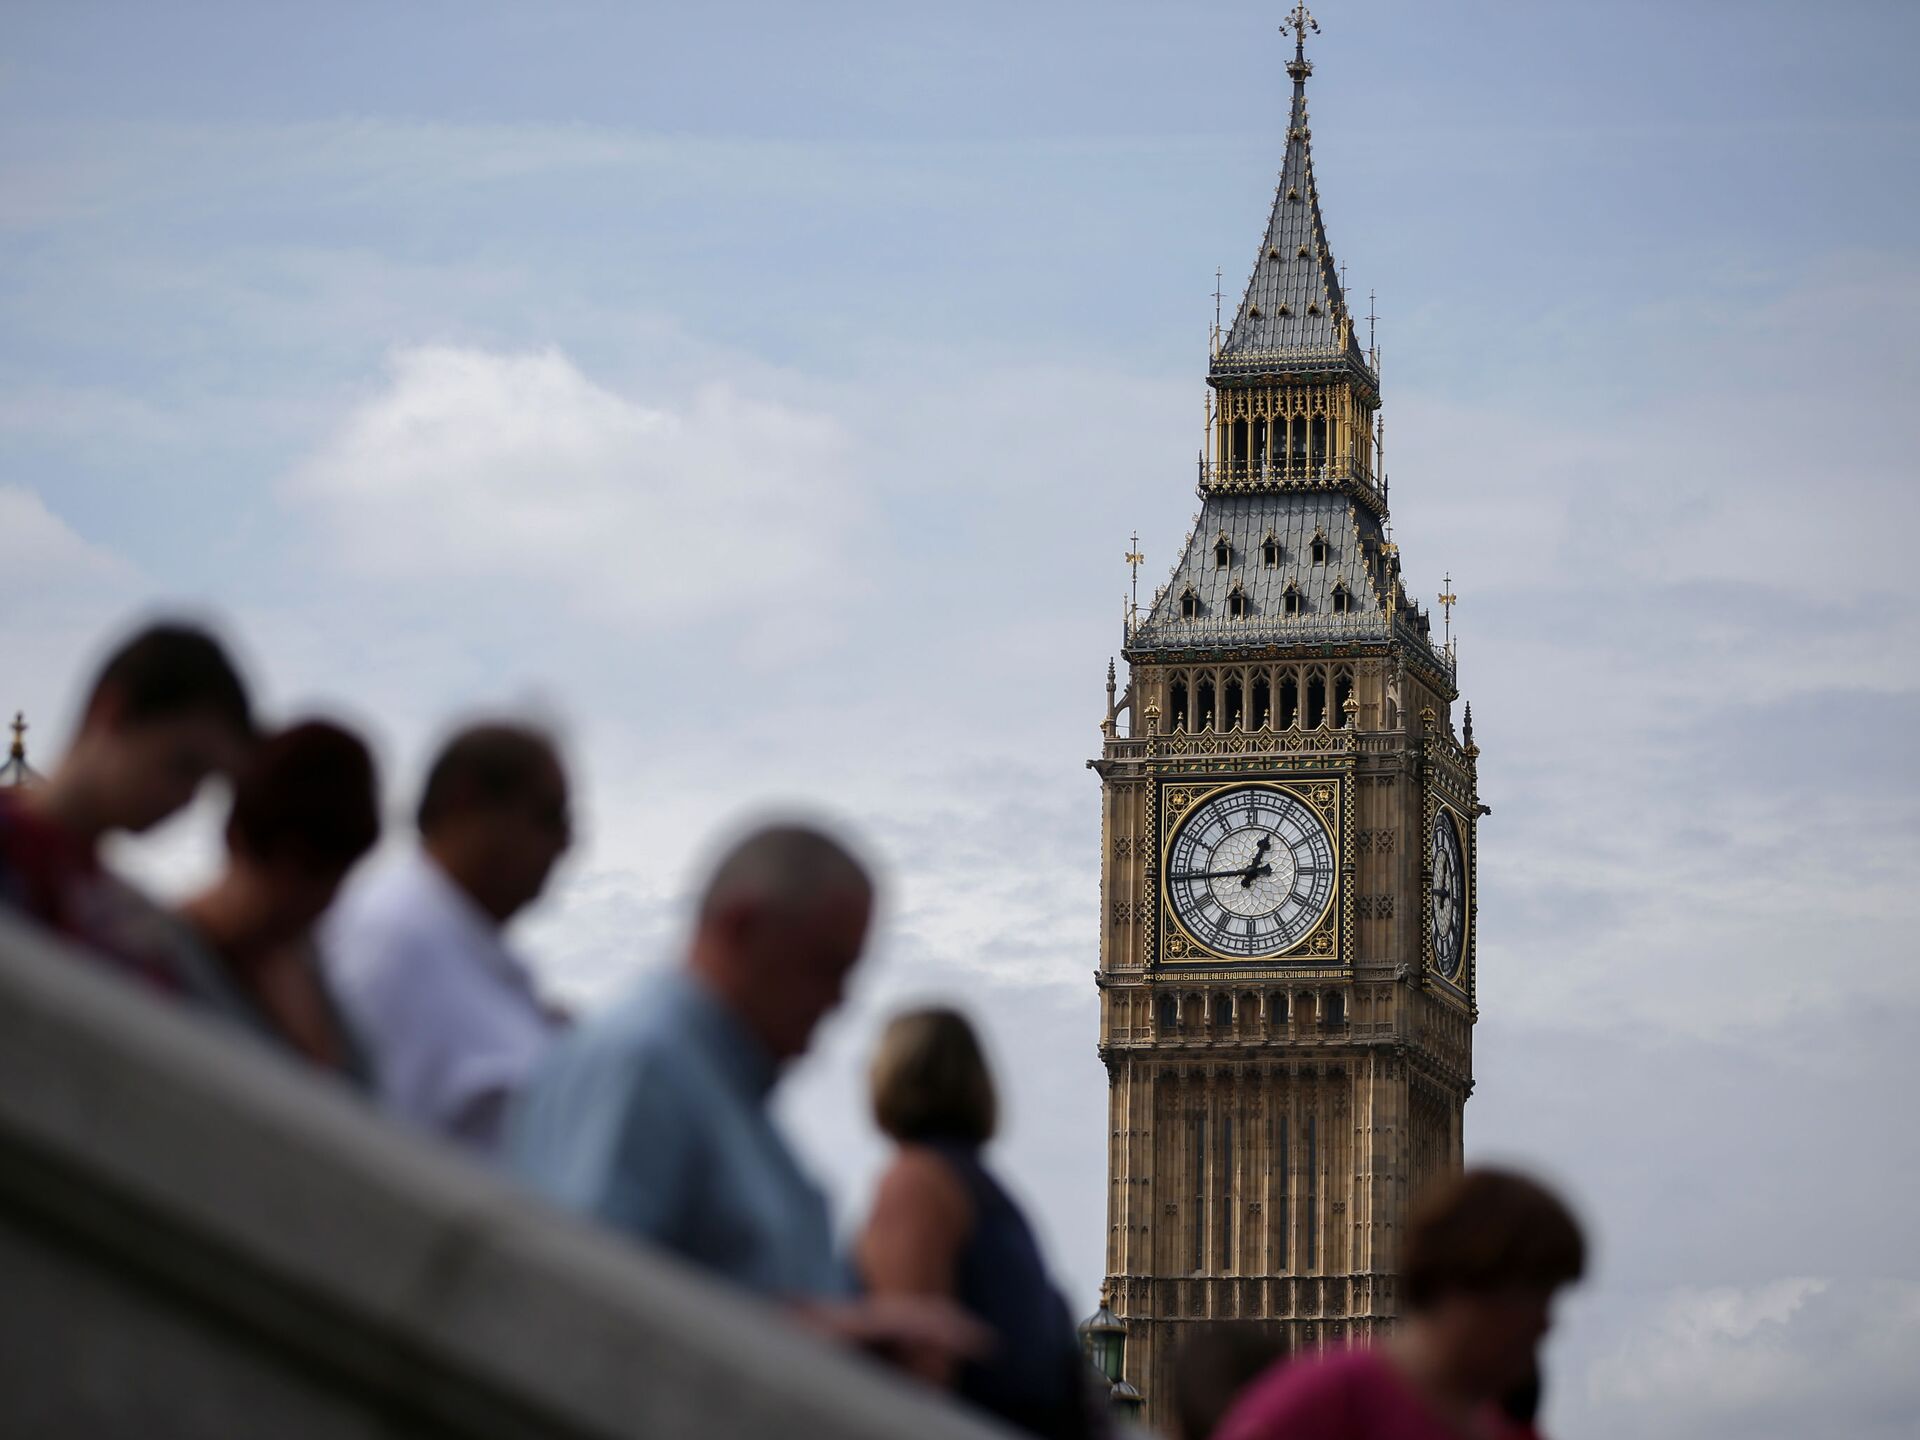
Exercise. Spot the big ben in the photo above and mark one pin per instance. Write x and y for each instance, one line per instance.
(1287, 960)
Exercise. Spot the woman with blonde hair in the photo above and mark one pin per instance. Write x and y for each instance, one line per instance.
(942, 1225)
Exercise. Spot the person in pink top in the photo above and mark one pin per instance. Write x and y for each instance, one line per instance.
(1483, 1256)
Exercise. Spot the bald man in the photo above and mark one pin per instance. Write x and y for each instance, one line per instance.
(653, 1118)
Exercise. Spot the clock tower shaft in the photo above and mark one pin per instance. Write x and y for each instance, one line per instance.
(1271, 1114)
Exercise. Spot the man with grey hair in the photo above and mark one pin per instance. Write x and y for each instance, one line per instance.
(653, 1117)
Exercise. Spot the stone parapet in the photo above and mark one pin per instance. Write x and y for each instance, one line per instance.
(198, 1239)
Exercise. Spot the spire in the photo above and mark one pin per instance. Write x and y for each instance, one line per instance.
(1294, 308)
(16, 771)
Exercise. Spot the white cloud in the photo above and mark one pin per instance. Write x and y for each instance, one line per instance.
(60, 174)
(518, 472)
(38, 551)
(60, 594)
(1791, 1357)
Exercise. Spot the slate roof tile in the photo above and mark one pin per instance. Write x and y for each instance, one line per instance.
(1293, 308)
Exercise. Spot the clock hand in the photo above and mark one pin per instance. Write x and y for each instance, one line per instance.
(1246, 880)
(1219, 874)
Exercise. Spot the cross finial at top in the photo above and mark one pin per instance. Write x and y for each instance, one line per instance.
(19, 751)
(1135, 559)
(1300, 20)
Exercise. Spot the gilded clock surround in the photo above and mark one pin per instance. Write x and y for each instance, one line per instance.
(1322, 943)
(1458, 980)
(1272, 1116)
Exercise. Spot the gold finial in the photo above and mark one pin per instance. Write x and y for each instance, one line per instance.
(19, 751)
(1447, 601)
(1297, 23)
(1135, 559)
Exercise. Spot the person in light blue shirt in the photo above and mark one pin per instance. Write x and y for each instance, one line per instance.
(653, 1119)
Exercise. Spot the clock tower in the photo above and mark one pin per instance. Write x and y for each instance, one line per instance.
(1287, 852)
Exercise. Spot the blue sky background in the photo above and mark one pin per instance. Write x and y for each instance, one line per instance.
(766, 396)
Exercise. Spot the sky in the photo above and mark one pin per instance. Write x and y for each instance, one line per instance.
(764, 397)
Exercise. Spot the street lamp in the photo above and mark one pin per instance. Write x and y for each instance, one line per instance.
(1104, 1335)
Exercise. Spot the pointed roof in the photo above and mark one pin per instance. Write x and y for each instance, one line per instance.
(1247, 521)
(16, 771)
(1293, 312)
(1358, 559)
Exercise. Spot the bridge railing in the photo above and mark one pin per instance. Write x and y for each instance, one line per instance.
(198, 1239)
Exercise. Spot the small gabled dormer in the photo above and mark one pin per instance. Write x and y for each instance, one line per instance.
(1237, 607)
(1322, 548)
(1189, 604)
(1222, 551)
(1291, 601)
(1270, 551)
(1342, 598)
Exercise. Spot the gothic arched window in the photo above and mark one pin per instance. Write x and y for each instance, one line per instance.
(1342, 599)
(1222, 553)
(1270, 551)
(1189, 604)
(1290, 599)
(1237, 603)
(1322, 551)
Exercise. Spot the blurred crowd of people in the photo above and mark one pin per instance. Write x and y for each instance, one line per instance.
(652, 1116)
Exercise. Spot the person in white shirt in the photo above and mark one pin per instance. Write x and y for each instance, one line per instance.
(449, 1016)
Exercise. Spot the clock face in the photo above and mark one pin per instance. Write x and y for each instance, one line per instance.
(1447, 902)
(1250, 871)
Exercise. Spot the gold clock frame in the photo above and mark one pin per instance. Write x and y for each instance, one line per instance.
(1461, 981)
(1325, 797)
